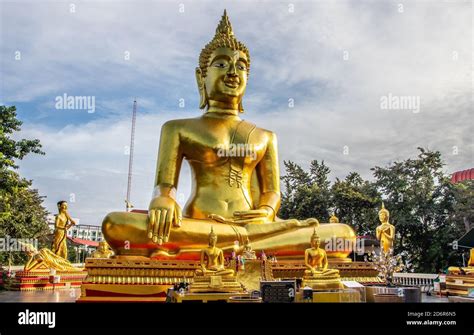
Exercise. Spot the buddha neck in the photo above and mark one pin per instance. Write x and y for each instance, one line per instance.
(220, 109)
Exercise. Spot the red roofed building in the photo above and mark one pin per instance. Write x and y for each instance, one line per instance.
(462, 175)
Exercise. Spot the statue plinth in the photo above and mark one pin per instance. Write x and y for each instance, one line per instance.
(39, 280)
(220, 284)
(118, 279)
(323, 282)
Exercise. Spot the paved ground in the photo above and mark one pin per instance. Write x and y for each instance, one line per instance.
(41, 296)
(73, 294)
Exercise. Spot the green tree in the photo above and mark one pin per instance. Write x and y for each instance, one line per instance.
(355, 202)
(21, 212)
(306, 194)
(421, 200)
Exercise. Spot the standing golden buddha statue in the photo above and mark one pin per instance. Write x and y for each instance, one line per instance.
(235, 175)
(385, 232)
(62, 223)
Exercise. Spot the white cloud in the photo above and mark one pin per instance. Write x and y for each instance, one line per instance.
(294, 55)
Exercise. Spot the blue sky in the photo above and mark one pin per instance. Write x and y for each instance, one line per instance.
(334, 59)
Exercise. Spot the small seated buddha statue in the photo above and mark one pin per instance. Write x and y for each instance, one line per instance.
(248, 253)
(317, 275)
(103, 251)
(385, 232)
(235, 191)
(212, 276)
(212, 260)
(333, 218)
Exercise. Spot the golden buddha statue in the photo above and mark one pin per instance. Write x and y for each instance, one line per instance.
(45, 259)
(236, 191)
(467, 270)
(333, 218)
(212, 260)
(62, 223)
(248, 253)
(385, 232)
(212, 276)
(102, 251)
(317, 275)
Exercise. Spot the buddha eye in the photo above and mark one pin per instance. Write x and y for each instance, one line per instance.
(220, 65)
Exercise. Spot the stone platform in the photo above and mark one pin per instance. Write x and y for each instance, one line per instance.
(42, 280)
(458, 284)
(362, 272)
(126, 280)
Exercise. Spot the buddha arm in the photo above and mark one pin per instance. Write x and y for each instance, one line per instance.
(268, 174)
(306, 260)
(169, 161)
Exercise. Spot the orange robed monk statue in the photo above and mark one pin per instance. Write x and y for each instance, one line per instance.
(236, 177)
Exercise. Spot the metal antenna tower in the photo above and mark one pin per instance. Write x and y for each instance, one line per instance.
(130, 160)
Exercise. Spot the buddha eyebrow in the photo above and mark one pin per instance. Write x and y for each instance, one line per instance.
(219, 57)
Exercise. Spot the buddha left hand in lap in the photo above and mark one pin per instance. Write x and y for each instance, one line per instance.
(235, 173)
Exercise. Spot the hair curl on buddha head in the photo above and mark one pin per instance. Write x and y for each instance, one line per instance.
(224, 38)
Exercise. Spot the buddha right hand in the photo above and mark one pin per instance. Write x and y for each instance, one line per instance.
(163, 212)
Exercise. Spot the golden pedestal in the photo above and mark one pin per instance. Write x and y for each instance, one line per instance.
(362, 272)
(205, 297)
(43, 280)
(121, 279)
(458, 284)
(221, 284)
(324, 283)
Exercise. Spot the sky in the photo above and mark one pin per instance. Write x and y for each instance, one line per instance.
(320, 73)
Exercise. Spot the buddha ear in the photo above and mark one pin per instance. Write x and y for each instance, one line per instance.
(201, 88)
(241, 108)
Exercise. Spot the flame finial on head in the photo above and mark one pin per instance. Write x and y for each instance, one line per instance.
(384, 210)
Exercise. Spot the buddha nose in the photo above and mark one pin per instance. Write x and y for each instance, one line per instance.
(232, 69)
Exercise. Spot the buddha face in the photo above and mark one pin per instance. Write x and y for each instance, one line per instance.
(226, 77)
(212, 240)
(62, 206)
(315, 242)
(383, 217)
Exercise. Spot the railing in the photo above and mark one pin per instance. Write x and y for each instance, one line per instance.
(423, 280)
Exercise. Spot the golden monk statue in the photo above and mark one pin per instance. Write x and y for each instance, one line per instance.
(236, 178)
(385, 232)
(212, 260)
(333, 218)
(316, 260)
(62, 223)
(102, 251)
(45, 259)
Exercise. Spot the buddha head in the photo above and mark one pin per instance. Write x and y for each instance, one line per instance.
(315, 239)
(333, 218)
(62, 206)
(223, 70)
(384, 214)
(103, 246)
(212, 238)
